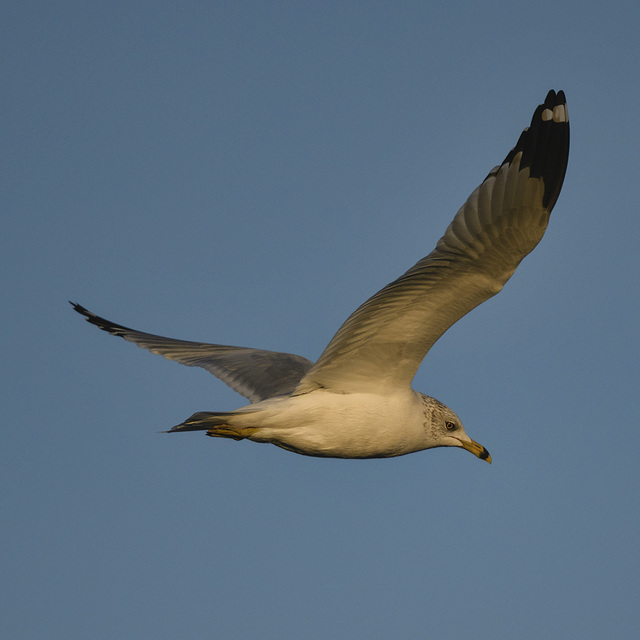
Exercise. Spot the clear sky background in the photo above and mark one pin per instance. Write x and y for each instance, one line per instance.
(248, 173)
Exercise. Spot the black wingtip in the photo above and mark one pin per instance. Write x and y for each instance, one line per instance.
(80, 309)
(545, 146)
(102, 323)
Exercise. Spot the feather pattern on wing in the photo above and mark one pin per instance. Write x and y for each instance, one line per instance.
(255, 373)
(381, 345)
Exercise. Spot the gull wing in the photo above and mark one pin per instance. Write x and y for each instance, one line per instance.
(381, 345)
(254, 373)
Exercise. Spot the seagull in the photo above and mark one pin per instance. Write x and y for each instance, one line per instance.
(356, 400)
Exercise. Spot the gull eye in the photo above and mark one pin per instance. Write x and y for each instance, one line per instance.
(450, 426)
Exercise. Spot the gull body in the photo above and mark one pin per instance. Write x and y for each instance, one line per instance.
(356, 400)
(352, 425)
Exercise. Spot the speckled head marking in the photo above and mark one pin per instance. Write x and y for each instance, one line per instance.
(437, 416)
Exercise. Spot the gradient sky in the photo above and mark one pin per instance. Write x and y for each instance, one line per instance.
(248, 173)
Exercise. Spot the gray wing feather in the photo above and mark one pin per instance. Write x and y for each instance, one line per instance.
(383, 342)
(254, 373)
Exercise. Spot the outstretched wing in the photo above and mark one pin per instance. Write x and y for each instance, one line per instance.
(382, 344)
(254, 373)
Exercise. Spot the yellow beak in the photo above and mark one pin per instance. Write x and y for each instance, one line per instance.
(476, 449)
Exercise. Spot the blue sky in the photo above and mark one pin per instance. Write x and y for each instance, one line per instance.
(248, 173)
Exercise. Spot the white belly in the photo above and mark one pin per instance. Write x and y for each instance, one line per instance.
(328, 424)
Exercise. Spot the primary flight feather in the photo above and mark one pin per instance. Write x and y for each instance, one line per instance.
(356, 401)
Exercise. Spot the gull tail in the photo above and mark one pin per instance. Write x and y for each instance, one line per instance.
(216, 424)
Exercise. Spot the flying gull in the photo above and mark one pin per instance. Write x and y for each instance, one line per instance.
(356, 401)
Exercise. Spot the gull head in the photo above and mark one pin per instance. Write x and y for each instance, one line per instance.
(445, 429)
